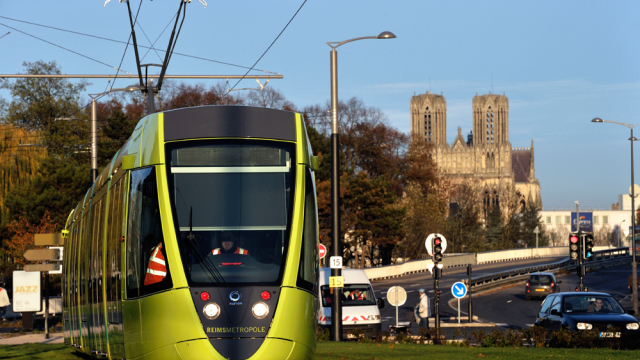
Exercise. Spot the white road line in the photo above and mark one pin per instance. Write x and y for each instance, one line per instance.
(529, 325)
(431, 291)
(501, 324)
(410, 291)
(509, 301)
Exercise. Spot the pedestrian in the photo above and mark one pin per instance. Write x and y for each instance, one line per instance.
(4, 301)
(630, 281)
(423, 310)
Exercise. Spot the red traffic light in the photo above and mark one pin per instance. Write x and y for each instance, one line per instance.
(437, 241)
(574, 239)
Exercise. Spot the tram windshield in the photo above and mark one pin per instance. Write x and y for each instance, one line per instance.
(232, 203)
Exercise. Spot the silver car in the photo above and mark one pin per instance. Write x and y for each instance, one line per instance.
(541, 284)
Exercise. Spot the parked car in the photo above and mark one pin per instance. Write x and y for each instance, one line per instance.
(360, 308)
(541, 284)
(588, 311)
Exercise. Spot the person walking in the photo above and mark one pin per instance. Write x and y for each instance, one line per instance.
(423, 310)
(4, 301)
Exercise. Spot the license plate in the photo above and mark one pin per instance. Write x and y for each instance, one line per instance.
(610, 334)
(542, 290)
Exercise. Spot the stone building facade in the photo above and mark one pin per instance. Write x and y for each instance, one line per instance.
(486, 155)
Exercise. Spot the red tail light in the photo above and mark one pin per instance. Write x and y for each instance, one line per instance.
(265, 295)
(552, 284)
(204, 296)
(527, 284)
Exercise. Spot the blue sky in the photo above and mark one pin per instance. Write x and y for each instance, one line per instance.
(561, 63)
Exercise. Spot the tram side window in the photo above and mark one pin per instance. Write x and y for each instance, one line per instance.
(308, 271)
(147, 271)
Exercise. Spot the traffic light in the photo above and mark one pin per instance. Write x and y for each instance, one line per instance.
(574, 246)
(588, 246)
(437, 250)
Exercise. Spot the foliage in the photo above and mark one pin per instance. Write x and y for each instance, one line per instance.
(22, 240)
(56, 189)
(37, 102)
(531, 219)
(371, 216)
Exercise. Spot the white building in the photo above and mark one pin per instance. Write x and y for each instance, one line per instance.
(610, 227)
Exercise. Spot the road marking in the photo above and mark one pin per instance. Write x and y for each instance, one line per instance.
(529, 325)
(509, 301)
(502, 324)
(431, 291)
(410, 291)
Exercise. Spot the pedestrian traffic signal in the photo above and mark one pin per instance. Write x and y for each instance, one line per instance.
(588, 246)
(437, 249)
(574, 246)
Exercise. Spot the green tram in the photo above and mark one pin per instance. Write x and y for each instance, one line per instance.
(198, 241)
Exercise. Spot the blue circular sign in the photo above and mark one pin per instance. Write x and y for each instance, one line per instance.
(459, 290)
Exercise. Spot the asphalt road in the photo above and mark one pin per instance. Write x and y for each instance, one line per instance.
(508, 307)
(411, 283)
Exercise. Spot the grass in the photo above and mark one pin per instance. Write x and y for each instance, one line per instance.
(40, 351)
(355, 351)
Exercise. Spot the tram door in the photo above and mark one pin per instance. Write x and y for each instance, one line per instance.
(95, 282)
(83, 262)
(113, 282)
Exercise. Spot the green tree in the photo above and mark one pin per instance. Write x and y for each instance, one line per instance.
(37, 102)
(493, 230)
(372, 215)
(530, 219)
(57, 188)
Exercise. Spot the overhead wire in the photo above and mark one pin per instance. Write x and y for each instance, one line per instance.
(142, 46)
(125, 50)
(274, 41)
(64, 48)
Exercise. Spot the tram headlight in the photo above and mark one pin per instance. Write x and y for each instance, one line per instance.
(260, 310)
(211, 310)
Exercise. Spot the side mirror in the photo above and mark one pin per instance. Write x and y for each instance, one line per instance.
(556, 312)
(380, 303)
(631, 312)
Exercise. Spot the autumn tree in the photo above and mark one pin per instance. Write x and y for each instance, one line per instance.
(22, 239)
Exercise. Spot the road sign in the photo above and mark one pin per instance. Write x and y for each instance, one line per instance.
(335, 262)
(61, 257)
(459, 290)
(48, 239)
(42, 267)
(42, 254)
(336, 281)
(427, 243)
(322, 251)
(396, 295)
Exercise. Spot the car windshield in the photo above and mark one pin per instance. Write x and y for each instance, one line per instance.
(232, 207)
(540, 279)
(352, 295)
(599, 304)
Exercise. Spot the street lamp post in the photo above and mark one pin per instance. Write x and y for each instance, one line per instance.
(94, 128)
(634, 274)
(336, 248)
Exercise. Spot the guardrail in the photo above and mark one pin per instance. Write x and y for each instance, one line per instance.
(453, 260)
(600, 257)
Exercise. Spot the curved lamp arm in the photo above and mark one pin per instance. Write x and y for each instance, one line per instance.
(598, 120)
(383, 35)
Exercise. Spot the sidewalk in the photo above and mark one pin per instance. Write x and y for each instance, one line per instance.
(54, 338)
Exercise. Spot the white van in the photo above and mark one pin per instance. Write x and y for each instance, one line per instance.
(360, 308)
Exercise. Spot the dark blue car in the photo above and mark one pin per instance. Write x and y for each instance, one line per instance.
(588, 311)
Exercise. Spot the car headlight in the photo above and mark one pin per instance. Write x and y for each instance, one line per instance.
(211, 310)
(584, 326)
(633, 326)
(260, 310)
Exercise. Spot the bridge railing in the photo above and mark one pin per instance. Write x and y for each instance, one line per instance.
(453, 260)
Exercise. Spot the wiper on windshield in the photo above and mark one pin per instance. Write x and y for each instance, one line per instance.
(194, 249)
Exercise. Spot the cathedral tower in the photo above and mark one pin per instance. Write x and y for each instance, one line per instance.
(429, 118)
(490, 119)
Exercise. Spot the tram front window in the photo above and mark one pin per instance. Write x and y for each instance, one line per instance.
(232, 207)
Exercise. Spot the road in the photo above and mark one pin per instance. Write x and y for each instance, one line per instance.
(411, 283)
(508, 307)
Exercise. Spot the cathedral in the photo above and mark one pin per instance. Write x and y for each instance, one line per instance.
(486, 156)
